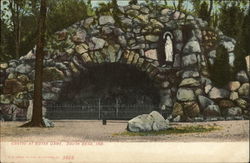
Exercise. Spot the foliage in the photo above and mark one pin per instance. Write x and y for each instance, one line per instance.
(231, 19)
(175, 130)
(220, 72)
(133, 2)
(61, 14)
(242, 48)
(65, 13)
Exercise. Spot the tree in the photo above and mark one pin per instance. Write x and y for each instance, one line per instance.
(133, 2)
(242, 48)
(63, 13)
(36, 120)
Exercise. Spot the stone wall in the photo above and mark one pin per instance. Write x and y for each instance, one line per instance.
(187, 93)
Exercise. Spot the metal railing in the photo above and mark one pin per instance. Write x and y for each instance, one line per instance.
(98, 111)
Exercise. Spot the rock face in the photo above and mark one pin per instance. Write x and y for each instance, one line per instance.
(191, 109)
(234, 111)
(242, 77)
(152, 41)
(212, 110)
(148, 122)
(218, 93)
(244, 90)
(184, 94)
(204, 101)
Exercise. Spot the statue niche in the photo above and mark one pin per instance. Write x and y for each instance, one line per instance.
(166, 49)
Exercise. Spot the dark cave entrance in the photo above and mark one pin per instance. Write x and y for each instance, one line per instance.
(110, 86)
(111, 82)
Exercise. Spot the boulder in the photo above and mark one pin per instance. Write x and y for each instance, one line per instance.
(228, 45)
(208, 88)
(106, 20)
(192, 46)
(52, 73)
(152, 38)
(233, 85)
(226, 104)
(190, 74)
(241, 103)
(11, 112)
(234, 111)
(50, 96)
(152, 54)
(80, 36)
(184, 94)
(198, 92)
(148, 122)
(23, 68)
(5, 99)
(96, 43)
(47, 123)
(204, 101)
(216, 93)
(165, 84)
(13, 86)
(177, 110)
(24, 79)
(3, 66)
(178, 35)
(242, 77)
(212, 111)
(191, 109)
(189, 82)
(233, 96)
(189, 60)
(244, 90)
(81, 48)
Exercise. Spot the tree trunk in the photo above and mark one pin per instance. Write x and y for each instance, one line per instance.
(210, 12)
(36, 120)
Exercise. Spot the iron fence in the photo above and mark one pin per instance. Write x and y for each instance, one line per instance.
(99, 111)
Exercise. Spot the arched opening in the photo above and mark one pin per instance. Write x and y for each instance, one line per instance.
(108, 87)
(166, 49)
(169, 53)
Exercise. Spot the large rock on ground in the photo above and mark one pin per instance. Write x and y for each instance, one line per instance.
(148, 122)
(47, 123)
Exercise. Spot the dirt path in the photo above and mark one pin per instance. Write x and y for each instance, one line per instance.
(93, 130)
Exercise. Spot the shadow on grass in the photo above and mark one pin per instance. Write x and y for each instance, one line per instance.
(173, 130)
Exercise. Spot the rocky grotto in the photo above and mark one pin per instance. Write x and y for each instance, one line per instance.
(172, 48)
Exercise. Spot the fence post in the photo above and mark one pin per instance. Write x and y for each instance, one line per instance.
(99, 108)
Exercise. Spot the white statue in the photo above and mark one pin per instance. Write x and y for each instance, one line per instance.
(168, 46)
(30, 110)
